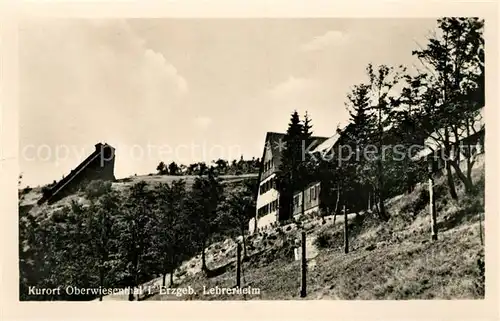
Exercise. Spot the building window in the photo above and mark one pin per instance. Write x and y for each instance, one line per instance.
(268, 185)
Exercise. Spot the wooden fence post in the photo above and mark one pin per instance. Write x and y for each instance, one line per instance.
(481, 228)
(238, 265)
(369, 200)
(346, 236)
(432, 201)
(303, 291)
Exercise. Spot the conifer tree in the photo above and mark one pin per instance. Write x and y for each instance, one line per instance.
(288, 172)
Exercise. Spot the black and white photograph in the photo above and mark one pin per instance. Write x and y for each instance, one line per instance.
(237, 159)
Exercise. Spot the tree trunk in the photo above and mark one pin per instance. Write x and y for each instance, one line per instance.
(290, 193)
(410, 180)
(449, 174)
(303, 281)
(244, 241)
(172, 278)
(346, 232)
(203, 260)
(163, 283)
(432, 209)
(470, 164)
(381, 206)
(451, 183)
(469, 187)
(375, 202)
(481, 228)
(338, 199)
(382, 212)
(238, 265)
(131, 294)
(369, 199)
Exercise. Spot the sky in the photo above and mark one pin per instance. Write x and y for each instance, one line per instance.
(189, 90)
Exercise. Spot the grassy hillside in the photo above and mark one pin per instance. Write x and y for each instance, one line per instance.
(28, 200)
(393, 260)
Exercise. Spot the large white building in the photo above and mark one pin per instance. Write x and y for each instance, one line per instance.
(267, 207)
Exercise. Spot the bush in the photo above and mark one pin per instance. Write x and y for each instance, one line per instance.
(472, 204)
(97, 188)
(45, 191)
(124, 180)
(27, 189)
(480, 279)
(324, 240)
(417, 203)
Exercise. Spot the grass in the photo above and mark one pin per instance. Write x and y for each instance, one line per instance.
(395, 260)
(28, 199)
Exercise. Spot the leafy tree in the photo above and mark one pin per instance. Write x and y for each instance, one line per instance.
(241, 206)
(161, 168)
(135, 226)
(452, 90)
(222, 165)
(182, 169)
(173, 169)
(206, 197)
(382, 82)
(105, 212)
(192, 169)
(171, 228)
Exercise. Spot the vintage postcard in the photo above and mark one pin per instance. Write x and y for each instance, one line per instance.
(329, 158)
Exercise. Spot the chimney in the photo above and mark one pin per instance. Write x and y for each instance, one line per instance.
(98, 147)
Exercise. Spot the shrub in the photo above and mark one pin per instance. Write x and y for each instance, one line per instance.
(26, 190)
(324, 240)
(417, 203)
(97, 188)
(124, 180)
(45, 191)
(480, 279)
(471, 204)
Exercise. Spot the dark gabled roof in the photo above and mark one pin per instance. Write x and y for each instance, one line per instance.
(275, 143)
(327, 145)
(272, 143)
